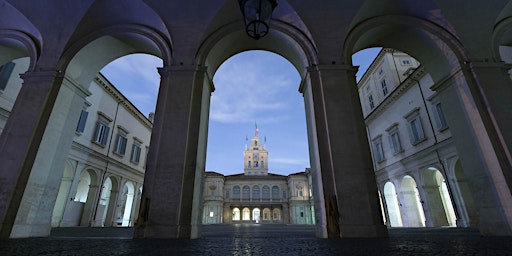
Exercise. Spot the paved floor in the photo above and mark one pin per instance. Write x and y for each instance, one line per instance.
(247, 239)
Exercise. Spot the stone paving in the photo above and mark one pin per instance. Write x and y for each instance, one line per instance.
(253, 239)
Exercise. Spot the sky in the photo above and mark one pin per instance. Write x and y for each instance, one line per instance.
(253, 88)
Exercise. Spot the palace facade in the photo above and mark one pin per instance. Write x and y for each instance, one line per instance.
(257, 196)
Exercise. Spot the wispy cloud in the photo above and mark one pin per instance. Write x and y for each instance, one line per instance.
(245, 89)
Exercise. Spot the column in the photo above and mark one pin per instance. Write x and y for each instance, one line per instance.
(350, 190)
(477, 105)
(170, 206)
(34, 147)
(228, 214)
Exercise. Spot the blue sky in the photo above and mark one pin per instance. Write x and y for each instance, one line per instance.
(250, 87)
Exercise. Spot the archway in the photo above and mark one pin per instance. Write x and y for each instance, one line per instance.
(256, 215)
(63, 196)
(246, 214)
(439, 200)
(236, 214)
(392, 205)
(412, 208)
(123, 216)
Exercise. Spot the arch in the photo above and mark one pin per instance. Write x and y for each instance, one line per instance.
(63, 194)
(18, 36)
(502, 35)
(284, 39)
(276, 215)
(392, 205)
(421, 38)
(125, 205)
(85, 58)
(256, 215)
(467, 206)
(439, 200)
(256, 192)
(411, 203)
(265, 193)
(246, 214)
(246, 193)
(275, 193)
(236, 214)
(266, 216)
(236, 192)
(108, 201)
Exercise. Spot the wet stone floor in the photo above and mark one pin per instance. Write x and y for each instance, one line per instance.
(254, 239)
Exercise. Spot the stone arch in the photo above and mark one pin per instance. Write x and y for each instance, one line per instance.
(283, 39)
(502, 35)
(18, 36)
(124, 212)
(439, 201)
(392, 205)
(256, 215)
(107, 202)
(236, 214)
(276, 215)
(266, 216)
(412, 208)
(424, 40)
(86, 195)
(246, 214)
(63, 195)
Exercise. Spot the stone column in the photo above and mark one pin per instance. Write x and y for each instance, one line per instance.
(349, 186)
(477, 105)
(228, 214)
(286, 213)
(34, 147)
(423, 192)
(170, 207)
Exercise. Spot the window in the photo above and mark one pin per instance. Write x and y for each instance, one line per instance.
(5, 74)
(384, 87)
(102, 129)
(227, 194)
(265, 193)
(370, 100)
(246, 193)
(80, 127)
(381, 72)
(378, 152)
(249, 163)
(406, 62)
(414, 126)
(256, 193)
(120, 143)
(101, 134)
(135, 154)
(394, 141)
(236, 192)
(275, 193)
(394, 138)
(440, 118)
(284, 194)
(262, 165)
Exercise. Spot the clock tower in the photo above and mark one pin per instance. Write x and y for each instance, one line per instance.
(255, 158)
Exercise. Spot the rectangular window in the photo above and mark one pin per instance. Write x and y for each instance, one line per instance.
(384, 87)
(394, 141)
(135, 155)
(101, 133)
(81, 122)
(378, 151)
(416, 134)
(370, 100)
(440, 118)
(406, 62)
(120, 145)
(5, 74)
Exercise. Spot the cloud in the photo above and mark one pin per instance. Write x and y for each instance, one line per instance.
(247, 89)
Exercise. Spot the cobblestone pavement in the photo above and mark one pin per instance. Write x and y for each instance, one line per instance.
(247, 239)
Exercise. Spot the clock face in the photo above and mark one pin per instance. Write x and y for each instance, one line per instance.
(255, 156)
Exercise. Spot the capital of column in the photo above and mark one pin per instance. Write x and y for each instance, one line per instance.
(42, 75)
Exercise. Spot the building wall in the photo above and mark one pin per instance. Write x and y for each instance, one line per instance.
(94, 172)
(416, 180)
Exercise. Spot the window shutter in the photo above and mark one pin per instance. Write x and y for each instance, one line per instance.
(81, 122)
(104, 136)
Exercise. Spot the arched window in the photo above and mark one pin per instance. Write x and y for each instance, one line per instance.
(246, 193)
(256, 193)
(246, 214)
(265, 193)
(275, 192)
(249, 163)
(236, 192)
(236, 214)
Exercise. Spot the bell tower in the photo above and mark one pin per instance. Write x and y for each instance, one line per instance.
(255, 158)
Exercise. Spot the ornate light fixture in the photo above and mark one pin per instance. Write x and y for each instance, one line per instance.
(257, 15)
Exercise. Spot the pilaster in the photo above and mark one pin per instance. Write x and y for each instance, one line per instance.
(349, 186)
(170, 207)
